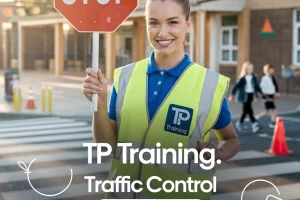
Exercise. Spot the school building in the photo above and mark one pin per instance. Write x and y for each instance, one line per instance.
(224, 34)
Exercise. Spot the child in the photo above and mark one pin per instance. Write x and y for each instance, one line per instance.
(270, 90)
(247, 86)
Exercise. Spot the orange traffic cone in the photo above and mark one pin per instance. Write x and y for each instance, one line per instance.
(30, 101)
(279, 146)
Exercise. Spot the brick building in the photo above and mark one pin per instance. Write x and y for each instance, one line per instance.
(224, 34)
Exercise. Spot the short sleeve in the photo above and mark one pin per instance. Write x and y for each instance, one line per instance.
(224, 117)
(112, 104)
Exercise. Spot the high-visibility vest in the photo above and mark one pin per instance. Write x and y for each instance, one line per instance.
(186, 115)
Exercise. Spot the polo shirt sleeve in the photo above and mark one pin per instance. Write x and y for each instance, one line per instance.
(112, 104)
(224, 117)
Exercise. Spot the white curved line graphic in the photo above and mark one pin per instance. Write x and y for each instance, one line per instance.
(26, 169)
(257, 180)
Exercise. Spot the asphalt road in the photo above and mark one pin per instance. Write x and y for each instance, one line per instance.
(57, 148)
(280, 170)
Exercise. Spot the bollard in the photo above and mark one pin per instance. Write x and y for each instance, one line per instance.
(43, 99)
(19, 98)
(15, 97)
(50, 99)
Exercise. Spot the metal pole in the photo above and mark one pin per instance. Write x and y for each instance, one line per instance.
(20, 50)
(1, 46)
(76, 47)
(95, 59)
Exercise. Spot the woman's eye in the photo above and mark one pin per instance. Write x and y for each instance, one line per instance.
(172, 22)
(153, 23)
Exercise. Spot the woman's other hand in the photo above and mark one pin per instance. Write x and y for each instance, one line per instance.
(95, 83)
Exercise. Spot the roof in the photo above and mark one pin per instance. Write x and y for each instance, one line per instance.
(196, 5)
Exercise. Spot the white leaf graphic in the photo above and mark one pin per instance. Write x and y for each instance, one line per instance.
(24, 167)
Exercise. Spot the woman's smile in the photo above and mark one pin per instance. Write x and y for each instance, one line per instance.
(164, 43)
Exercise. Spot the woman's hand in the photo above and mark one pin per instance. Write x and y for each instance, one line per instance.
(226, 148)
(95, 83)
(210, 145)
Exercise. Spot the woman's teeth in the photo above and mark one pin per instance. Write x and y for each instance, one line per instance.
(164, 41)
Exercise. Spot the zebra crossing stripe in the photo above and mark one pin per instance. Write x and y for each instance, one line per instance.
(257, 171)
(46, 132)
(7, 177)
(49, 157)
(265, 135)
(289, 191)
(251, 154)
(74, 191)
(39, 147)
(27, 120)
(51, 138)
(33, 122)
(38, 127)
(68, 155)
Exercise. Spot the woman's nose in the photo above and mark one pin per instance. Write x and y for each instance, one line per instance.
(164, 30)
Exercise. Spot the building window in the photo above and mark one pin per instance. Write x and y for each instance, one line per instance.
(229, 40)
(296, 38)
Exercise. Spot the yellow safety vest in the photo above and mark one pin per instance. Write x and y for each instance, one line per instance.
(198, 93)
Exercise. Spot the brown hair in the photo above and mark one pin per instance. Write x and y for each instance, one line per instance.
(270, 66)
(185, 4)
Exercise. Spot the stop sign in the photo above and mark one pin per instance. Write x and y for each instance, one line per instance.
(96, 15)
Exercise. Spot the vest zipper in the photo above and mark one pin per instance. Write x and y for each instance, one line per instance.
(150, 122)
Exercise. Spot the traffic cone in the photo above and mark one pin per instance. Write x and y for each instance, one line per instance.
(30, 101)
(279, 146)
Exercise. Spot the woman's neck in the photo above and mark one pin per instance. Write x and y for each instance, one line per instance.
(168, 62)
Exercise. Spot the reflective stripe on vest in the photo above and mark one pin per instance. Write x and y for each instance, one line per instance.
(198, 89)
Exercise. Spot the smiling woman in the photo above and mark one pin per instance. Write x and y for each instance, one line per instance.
(166, 99)
(166, 29)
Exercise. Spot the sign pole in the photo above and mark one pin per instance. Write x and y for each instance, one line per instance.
(95, 58)
(95, 17)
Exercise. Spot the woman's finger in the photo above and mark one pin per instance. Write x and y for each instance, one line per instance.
(90, 91)
(91, 72)
(93, 87)
(90, 79)
(211, 145)
(101, 77)
(201, 146)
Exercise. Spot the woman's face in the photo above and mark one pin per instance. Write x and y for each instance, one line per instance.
(166, 26)
(249, 69)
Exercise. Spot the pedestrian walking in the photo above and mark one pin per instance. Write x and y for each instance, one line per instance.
(166, 99)
(248, 89)
(270, 90)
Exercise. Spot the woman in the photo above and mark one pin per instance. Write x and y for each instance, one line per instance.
(165, 99)
(247, 86)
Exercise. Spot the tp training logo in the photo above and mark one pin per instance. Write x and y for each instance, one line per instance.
(178, 119)
(262, 180)
(26, 169)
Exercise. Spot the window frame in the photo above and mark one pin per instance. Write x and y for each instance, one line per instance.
(296, 46)
(229, 47)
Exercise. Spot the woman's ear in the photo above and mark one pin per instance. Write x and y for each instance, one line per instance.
(188, 23)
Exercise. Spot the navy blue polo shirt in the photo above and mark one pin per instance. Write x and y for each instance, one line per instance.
(160, 83)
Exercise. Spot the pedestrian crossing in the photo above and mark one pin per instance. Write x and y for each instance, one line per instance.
(56, 144)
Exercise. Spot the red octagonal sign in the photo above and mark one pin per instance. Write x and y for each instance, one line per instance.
(96, 15)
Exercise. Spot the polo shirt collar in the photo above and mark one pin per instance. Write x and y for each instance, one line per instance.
(175, 71)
